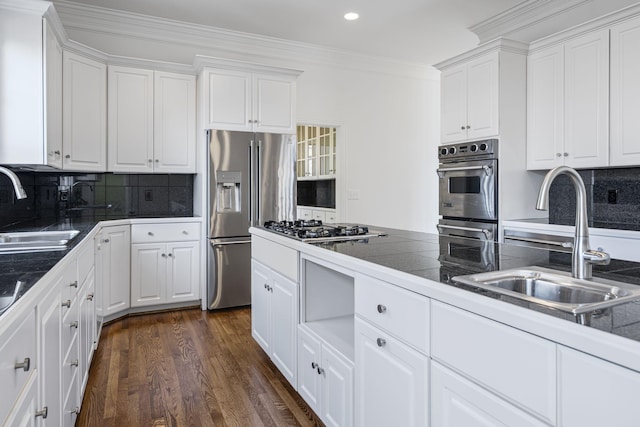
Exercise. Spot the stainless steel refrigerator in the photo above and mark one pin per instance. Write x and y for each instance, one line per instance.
(251, 178)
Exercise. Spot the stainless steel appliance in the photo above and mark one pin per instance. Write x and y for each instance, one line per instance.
(251, 178)
(314, 231)
(468, 189)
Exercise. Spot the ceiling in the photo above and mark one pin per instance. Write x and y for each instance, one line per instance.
(417, 31)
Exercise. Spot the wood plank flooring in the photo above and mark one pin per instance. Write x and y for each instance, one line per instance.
(187, 368)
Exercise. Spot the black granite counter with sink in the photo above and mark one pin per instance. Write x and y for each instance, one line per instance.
(441, 258)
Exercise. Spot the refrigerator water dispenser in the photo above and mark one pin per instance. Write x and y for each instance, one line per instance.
(228, 191)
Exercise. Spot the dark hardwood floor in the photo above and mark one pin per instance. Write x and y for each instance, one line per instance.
(187, 368)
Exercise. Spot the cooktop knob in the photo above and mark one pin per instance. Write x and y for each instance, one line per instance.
(483, 147)
(452, 150)
(443, 152)
(474, 148)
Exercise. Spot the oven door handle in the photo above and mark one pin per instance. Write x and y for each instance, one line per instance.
(488, 170)
(488, 234)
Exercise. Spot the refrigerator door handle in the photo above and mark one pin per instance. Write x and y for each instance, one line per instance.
(235, 242)
(258, 181)
(251, 184)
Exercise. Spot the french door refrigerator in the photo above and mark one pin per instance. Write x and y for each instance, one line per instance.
(251, 178)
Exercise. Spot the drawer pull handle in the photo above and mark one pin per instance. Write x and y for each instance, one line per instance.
(320, 371)
(74, 284)
(67, 303)
(382, 308)
(90, 297)
(43, 413)
(74, 363)
(164, 255)
(314, 365)
(106, 240)
(24, 365)
(74, 324)
(381, 342)
(150, 233)
(185, 232)
(170, 255)
(75, 410)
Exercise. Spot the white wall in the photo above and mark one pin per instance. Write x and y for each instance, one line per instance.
(388, 113)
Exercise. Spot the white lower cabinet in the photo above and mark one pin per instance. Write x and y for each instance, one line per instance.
(113, 249)
(594, 392)
(392, 380)
(457, 402)
(163, 271)
(274, 317)
(325, 379)
(23, 412)
(50, 312)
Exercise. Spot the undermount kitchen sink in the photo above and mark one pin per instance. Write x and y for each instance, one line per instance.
(35, 241)
(555, 289)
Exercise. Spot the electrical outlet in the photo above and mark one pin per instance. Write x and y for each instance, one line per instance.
(64, 195)
(612, 197)
(353, 194)
(148, 196)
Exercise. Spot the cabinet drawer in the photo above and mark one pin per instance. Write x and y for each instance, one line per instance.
(280, 258)
(402, 313)
(70, 368)
(517, 366)
(149, 233)
(18, 343)
(85, 261)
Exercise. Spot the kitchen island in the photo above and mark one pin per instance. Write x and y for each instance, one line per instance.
(380, 321)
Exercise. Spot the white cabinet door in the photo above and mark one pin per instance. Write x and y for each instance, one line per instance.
(229, 102)
(625, 94)
(613, 401)
(183, 271)
(130, 120)
(309, 360)
(586, 132)
(260, 305)
(114, 259)
(25, 409)
(337, 392)
(454, 104)
(174, 136)
(49, 311)
(148, 274)
(283, 323)
(391, 380)
(482, 97)
(274, 103)
(456, 402)
(84, 114)
(53, 97)
(545, 108)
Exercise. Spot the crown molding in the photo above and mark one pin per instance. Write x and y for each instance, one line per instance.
(497, 45)
(202, 61)
(220, 43)
(522, 16)
(26, 6)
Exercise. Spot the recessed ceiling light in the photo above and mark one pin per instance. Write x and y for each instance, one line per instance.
(351, 16)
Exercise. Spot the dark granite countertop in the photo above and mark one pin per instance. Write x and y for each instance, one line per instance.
(441, 258)
(611, 225)
(28, 268)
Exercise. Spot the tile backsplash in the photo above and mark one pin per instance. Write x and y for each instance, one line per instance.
(58, 195)
(613, 199)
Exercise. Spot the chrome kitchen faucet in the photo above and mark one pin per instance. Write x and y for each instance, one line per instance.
(17, 185)
(582, 257)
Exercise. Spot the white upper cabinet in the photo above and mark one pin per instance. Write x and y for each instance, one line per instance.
(31, 86)
(470, 94)
(625, 94)
(84, 114)
(252, 102)
(568, 104)
(151, 121)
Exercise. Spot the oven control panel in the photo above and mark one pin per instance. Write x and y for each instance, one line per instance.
(483, 148)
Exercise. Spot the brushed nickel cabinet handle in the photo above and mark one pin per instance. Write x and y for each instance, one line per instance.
(382, 308)
(24, 365)
(67, 303)
(74, 324)
(381, 342)
(43, 413)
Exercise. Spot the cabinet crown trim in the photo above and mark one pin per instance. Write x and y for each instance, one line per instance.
(201, 61)
(497, 45)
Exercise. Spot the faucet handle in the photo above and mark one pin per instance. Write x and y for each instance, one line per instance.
(596, 257)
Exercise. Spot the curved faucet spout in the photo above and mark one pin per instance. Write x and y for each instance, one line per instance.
(582, 256)
(17, 186)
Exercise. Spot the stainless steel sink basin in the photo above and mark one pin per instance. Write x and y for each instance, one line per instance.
(36, 241)
(555, 289)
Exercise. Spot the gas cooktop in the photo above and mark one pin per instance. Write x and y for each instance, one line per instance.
(314, 231)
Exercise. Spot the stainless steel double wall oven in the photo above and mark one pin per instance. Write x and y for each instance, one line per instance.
(468, 189)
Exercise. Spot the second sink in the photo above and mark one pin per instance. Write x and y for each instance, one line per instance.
(36, 241)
